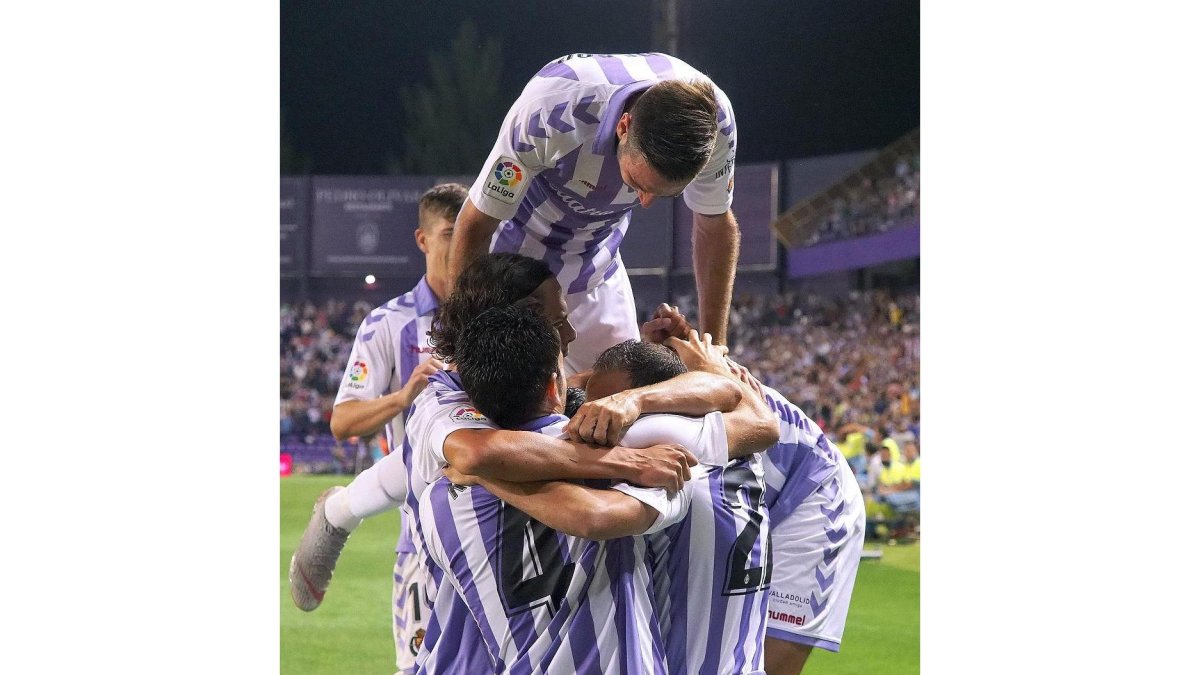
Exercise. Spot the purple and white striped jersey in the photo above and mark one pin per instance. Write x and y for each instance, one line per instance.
(553, 177)
(391, 342)
(800, 462)
(546, 602)
(712, 571)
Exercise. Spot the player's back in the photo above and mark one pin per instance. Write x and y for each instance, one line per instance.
(801, 462)
(545, 602)
(716, 568)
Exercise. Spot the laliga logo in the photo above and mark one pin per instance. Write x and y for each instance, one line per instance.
(467, 414)
(508, 174)
(358, 371)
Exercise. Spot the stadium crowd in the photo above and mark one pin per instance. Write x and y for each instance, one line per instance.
(874, 206)
(850, 363)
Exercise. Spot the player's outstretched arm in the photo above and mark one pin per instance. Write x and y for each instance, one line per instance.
(606, 420)
(714, 260)
(473, 232)
(581, 511)
(522, 456)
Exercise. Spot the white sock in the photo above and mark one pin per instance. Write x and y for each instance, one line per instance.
(380, 489)
(337, 511)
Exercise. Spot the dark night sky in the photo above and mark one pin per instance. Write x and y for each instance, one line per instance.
(806, 77)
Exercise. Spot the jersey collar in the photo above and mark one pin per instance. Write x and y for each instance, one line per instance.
(424, 298)
(542, 422)
(606, 137)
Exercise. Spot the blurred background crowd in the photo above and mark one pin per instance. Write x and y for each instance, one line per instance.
(851, 362)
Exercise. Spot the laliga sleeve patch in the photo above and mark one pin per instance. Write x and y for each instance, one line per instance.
(358, 375)
(467, 414)
(504, 181)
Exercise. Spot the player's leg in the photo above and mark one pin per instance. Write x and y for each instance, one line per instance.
(816, 551)
(603, 317)
(411, 608)
(783, 657)
(338, 511)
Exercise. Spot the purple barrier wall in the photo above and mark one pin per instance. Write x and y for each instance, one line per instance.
(900, 243)
(755, 204)
(293, 224)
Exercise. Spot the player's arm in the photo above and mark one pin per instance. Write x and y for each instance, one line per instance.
(473, 232)
(364, 418)
(576, 509)
(515, 159)
(523, 456)
(751, 426)
(606, 420)
(715, 235)
(715, 243)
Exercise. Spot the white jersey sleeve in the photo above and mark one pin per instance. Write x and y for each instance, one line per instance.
(520, 153)
(711, 192)
(671, 507)
(369, 369)
(704, 436)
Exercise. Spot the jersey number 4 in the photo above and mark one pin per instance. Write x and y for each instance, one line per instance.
(744, 495)
(533, 567)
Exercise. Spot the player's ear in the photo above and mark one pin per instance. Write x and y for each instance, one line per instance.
(419, 235)
(623, 125)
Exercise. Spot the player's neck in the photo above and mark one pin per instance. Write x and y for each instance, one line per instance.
(439, 286)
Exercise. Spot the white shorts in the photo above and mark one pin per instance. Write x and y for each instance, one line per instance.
(815, 552)
(603, 317)
(412, 606)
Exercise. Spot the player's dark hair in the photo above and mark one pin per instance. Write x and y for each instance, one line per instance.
(674, 126)
(507, 356)
(576, 397)
(490, 281)
(645, 362)
(444, 201)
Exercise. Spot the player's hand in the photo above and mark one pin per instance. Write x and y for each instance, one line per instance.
(658, 466)
(605, 420)
(459, 478)
(746, 378)
(667, 322)
(700, 353)
(420, 378)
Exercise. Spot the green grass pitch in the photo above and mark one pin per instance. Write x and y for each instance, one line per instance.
(351, 631)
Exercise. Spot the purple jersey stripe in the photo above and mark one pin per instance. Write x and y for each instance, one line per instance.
(581, 110)
(619, 573)
(510, 239)
(556, 120)
(584, 654)
(448, 533)
(677, 638)
(760, 612)
(558, 70)
(566, 165)
(580, 283)
(724, 529)
(409, 360)
(488, 509)
(661, 66)
(747, 623)
(614, 70)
